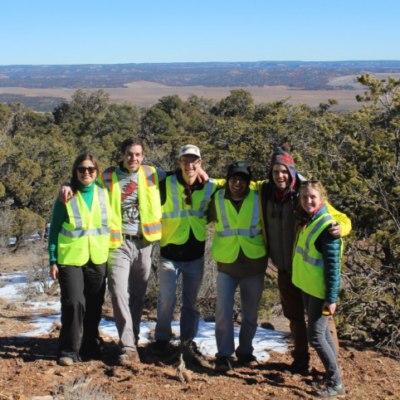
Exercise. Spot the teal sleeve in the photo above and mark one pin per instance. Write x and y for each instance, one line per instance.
(330, 249)
(59, 216)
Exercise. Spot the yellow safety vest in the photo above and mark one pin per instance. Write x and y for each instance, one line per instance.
(178, 217)
(237, 230)
(87, 235)
(149, 204)
(308, 263)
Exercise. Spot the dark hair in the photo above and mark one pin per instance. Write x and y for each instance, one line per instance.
(82, 157)
(131, 141)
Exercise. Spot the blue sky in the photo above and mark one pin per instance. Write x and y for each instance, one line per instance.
(121, 31)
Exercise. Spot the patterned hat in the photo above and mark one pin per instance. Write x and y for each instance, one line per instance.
(282, 156)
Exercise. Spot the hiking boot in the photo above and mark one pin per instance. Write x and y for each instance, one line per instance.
(248, 361)
(129, 357)
(65, 361)
(331, 391)
(299, 366)
(159, 347)
(223, 364)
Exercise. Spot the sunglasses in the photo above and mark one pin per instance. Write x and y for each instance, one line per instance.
(308, 182)
(188, 194)
(82, 170)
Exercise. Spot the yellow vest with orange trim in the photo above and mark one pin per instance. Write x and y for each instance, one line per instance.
(149, 204)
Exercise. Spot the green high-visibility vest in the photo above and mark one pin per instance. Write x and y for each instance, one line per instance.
(178, 217)
(308, 263)
(237, 230)
(87, 235)
(149, 204)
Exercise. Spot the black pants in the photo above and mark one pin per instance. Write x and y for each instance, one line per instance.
(82, 297)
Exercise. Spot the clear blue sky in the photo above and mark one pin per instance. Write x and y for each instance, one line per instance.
(130, 31)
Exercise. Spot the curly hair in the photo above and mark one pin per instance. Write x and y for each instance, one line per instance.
(82, 157)
(131, 141)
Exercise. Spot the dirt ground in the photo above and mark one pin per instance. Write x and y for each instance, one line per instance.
(28, 367)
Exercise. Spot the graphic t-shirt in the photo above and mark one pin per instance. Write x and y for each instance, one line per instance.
(129, 202)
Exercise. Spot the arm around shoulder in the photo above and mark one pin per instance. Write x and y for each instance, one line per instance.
(342, 219)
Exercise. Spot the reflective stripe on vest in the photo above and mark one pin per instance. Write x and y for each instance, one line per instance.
(252, 232)
(149, 174)
(177, 213)
(153, 228)
(304, 252)
(78, 231)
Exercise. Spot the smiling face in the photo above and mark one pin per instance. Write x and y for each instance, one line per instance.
(86, 172)
(189, 165)
(281, 176)
(132, 157)
(311, 199)
(237, 186)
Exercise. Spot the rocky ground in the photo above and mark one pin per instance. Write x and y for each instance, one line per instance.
(28, 368)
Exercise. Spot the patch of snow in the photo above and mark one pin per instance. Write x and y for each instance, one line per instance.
(265, 339)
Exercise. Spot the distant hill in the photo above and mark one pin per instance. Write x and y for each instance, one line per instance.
(294, 74)
(37, 103)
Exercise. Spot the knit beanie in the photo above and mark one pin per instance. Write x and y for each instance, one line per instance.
(282, 156)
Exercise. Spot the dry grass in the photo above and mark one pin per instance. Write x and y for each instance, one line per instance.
(148, 93)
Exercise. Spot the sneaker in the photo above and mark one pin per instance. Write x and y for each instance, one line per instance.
(159, 347)
(65, 361)
(331, 391)
(248, 361)
(222, 364)
(299, 366)
(129, 357)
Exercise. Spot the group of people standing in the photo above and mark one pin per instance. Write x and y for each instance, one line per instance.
(104, 225)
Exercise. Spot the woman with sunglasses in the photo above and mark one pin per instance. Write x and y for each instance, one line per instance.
(316, 271)
(78, 251)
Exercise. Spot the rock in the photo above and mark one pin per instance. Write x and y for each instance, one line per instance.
(42, 398)
(267, 325)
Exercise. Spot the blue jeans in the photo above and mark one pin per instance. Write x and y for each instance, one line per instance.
(192, 275)
(251, 289)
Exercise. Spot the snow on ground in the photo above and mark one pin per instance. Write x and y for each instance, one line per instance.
(265, 339)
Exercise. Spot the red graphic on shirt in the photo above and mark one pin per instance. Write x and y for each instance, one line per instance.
(128, 190)
(129, 202)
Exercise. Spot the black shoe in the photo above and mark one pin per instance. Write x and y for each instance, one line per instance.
(94, 354)
(159, 347)
(248, 361)
(299, 366)
(223, 364)
(331, 391)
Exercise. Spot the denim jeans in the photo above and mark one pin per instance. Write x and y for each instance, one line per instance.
(251, 289)
(320, 337)
(168, 273)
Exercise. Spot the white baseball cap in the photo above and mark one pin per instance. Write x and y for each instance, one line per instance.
(189, 149)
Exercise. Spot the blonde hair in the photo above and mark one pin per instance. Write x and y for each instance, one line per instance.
(317, 185)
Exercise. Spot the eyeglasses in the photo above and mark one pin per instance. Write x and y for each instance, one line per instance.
(188, 194)
(82, 170)
(187, 163)
(313, 182)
